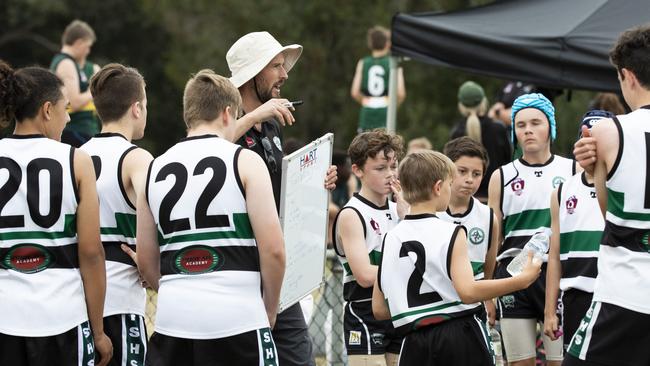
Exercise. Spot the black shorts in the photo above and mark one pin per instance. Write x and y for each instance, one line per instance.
(291, 337)
(74, 347)
(247, 349)
(575, 304)
(364, 335)
(523, 304)
(610, 335)
(459, 342)
(129, 337)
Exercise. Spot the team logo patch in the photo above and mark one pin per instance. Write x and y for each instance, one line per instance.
(308, 159)
(28, 258)
(249, 141)
(377, 339)
(198, 259)
(571, 204)
(508, 301)
(518, 186)
(355, 338)
(476, 235)
(557, 181)
(375, 226)
(277, 142)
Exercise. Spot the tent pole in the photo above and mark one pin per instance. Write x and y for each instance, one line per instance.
(391, 115)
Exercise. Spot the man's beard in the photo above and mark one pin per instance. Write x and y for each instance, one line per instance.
(263, 95)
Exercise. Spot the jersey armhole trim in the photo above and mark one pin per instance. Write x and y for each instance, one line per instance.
(120, 182)
(503, 185)
(559, 194)
(383, 243)
(146, 187)
(574, 168)
(363, 223)
(236, 168)
(490, 228)
(450, 250)
(619, 153)
(75, 188)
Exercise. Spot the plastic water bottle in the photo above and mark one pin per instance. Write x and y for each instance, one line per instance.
(495, 339)
(538, 244)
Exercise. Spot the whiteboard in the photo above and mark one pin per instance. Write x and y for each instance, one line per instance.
(303, 214)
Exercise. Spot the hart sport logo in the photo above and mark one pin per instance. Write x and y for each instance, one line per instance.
(518, 186)
(198, 259)
(571, 204)
(27, 258)
(308, 159)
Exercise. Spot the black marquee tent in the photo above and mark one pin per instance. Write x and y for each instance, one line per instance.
(552, 43)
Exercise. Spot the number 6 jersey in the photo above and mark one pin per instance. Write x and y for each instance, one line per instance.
(41, 293)
(415, 273)
(210, 285)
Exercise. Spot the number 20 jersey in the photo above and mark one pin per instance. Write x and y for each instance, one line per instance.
(41, 292)
(415, 273)
(211, 284)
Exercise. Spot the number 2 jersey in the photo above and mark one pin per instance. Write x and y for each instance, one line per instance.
(124, 294)
(211, 285)
(41, 292)
(415, 273)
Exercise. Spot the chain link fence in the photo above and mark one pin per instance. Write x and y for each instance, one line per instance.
(326, 320)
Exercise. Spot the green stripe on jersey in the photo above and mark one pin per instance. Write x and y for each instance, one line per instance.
(243, 230)
(126, 225)
(528, 220)
(69, 231)
(477, 267)
(615, 206)
(375, 259)
(580, 241)
(433, 308)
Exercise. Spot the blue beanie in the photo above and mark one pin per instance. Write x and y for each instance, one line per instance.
(537, 101)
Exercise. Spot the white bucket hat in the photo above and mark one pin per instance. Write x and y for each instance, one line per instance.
(252, 52)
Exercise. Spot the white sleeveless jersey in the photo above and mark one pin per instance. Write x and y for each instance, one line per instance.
(415, 273)
(477, 221)
(581, 228)
(526, 198)
(211, 285)
(376, 222)
(624, 261)
(41, 292)
(124, 294)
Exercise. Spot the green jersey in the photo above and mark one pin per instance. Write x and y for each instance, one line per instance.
(374, 88)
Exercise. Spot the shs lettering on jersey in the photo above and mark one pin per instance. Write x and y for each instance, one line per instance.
(208, 254)
(376, 222)
(525, 202)
(415, 277)
(581, 228)
(124, 294)
(477, 221)
(40, 285)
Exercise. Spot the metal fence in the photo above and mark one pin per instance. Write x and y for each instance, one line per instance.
(326, 319)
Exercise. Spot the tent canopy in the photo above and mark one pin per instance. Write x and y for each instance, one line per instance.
(552, 43)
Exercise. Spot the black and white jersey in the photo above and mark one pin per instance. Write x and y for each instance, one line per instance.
(124, 294)
(211, 285)
(624, 260)
(41, 292)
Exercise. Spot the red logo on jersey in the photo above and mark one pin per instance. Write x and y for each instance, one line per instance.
(28, 258)
(518, 186)
(197, 259)
(375, 226)
(249, 141)
(571, 204)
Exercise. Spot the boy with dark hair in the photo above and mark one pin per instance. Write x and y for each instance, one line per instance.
(425, 283)
(470, 160)
(370, 82)
(357, 233)
(121, 170)
(614, 329)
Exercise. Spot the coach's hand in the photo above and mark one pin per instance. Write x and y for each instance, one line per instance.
(274, 108)
(584, 151)
(104, 348)
(331, 177)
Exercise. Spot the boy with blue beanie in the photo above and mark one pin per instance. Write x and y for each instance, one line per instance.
(519, 195)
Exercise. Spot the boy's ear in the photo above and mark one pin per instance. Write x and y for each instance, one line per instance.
(437, 187)
(358, 172)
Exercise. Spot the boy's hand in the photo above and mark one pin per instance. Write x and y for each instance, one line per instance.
(126, 249)
(491, 311)
(104, 348)
(403, 208)
(584, 151)
(531, 270)
(551, 328)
